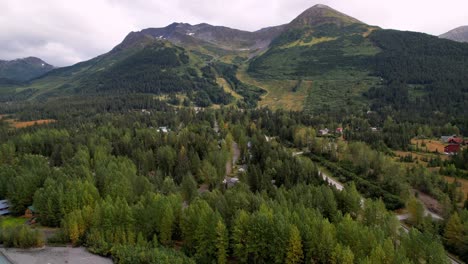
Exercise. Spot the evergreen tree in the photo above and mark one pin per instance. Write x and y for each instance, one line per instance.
(454, 232)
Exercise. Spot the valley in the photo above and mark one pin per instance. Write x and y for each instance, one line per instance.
(208, 144)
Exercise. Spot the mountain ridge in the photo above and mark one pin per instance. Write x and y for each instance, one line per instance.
(223, 37)
(234, 39)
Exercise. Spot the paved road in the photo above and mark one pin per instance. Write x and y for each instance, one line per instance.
(426, 213)
(331, 181)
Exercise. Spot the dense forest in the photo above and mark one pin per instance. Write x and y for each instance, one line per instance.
(424, 76)
(158, 69)
(109, 179)
(409, 76)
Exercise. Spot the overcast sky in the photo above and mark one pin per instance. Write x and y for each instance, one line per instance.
(63, 32)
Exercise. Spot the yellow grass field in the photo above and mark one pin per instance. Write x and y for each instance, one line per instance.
(279, 95)
(227, 88)
(463, 182)
(431, 144)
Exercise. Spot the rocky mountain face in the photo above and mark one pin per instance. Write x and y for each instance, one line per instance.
(459, 34)
(204, 34)
(23, 69)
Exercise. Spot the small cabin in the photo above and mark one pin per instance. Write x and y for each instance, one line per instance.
(163, 129)
(324, 132)
(452, 149)
(30, 212)
(230, 182)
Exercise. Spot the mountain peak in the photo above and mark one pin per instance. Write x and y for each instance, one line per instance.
(322, 14)
(321, 6)
(459, 34)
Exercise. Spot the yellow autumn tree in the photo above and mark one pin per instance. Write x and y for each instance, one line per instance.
(294, 253)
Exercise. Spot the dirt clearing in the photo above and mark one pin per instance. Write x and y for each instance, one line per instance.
(430, 145)
(23, 124)
(53, 255)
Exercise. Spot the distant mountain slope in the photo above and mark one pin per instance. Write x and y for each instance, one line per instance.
(318, 40)
(148, 65)
(350, 66)
(23, 69)
(459, 34)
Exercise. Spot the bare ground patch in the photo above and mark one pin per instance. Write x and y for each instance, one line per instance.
(54, 255)
(23, 124)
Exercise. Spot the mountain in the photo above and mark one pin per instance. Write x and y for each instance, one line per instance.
(151, 66)
(221, 37)
(23, 69)
(320, 35)
(327, 61)
(459, 34)
(320, 15)
(322, 61)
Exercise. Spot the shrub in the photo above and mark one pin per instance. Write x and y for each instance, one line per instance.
(21, 237)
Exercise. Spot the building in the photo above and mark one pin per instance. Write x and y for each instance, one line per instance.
(230, 182)
(30, 212)
(455, 140)
(324, 132)
(4, 207)
(163, 129)
(452, 149)
(445, 139)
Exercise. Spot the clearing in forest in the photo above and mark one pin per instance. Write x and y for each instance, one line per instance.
(429, 145)
(23, 124)
(463, 184)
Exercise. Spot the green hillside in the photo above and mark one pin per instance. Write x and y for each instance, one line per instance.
(332, 57)
(21, 70)
(393, 72)
(149, 66)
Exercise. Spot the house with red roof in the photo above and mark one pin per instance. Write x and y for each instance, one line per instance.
(452, 149)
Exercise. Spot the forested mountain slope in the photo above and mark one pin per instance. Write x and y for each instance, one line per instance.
(148, 65)
(23, 69)
(355, 66)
